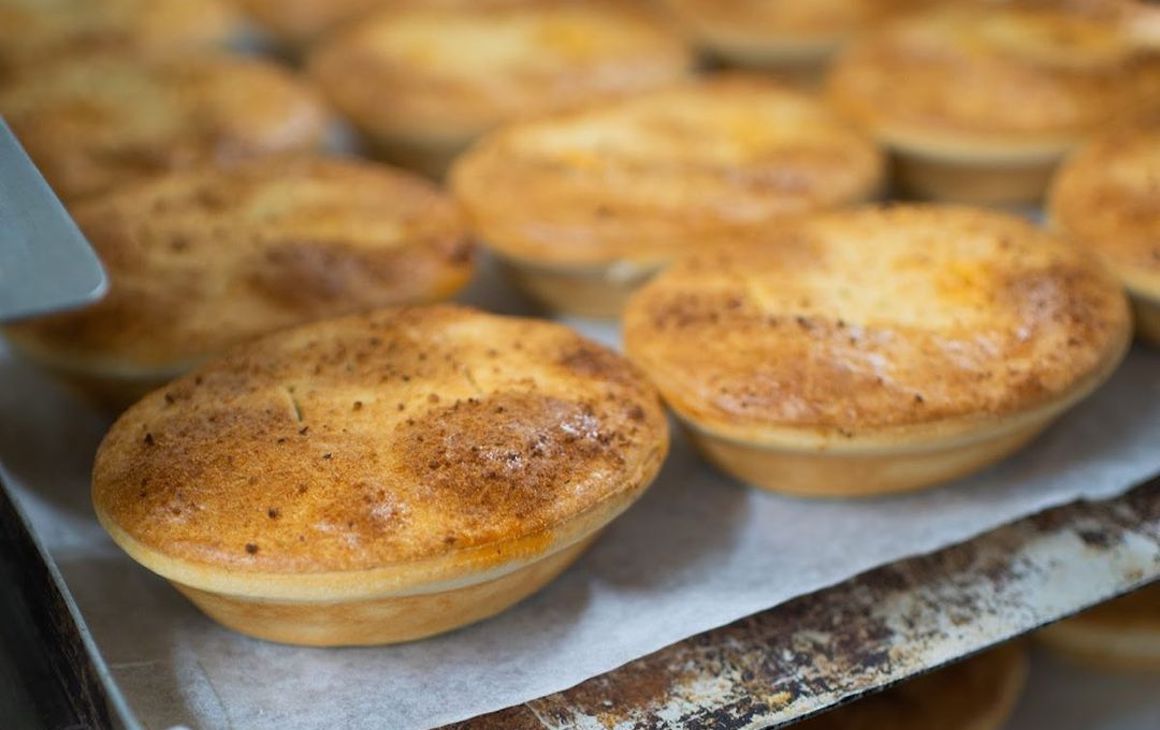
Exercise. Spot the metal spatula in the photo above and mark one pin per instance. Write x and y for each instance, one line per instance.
(45, 262)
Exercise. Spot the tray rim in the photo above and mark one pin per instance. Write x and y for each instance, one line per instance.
(116, 712)
(121, 715)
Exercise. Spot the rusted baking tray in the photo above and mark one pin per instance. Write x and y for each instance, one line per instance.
(763, 671)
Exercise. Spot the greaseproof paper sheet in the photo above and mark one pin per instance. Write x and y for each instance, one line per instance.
(698, 551)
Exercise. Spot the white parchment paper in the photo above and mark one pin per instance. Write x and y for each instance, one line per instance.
(697, 552)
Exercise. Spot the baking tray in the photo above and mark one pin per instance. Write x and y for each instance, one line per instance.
(56, 656)
(763, 671)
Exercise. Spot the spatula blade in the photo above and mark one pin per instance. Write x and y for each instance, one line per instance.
(45, 262)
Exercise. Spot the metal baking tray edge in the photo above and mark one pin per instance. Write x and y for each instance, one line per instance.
(769, 669)
(60, 636)
(863, 635)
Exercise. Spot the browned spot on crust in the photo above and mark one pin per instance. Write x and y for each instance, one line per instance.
(509, 456)
(590, 360)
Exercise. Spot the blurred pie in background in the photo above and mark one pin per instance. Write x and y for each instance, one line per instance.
(199, 260)
(793, 39)
(587, 205)
(36, 31)
(296, 23)
(94, 124)
(1123, 634)
(979, 693)
(421, 84)
(979, 104)
(1107, 197)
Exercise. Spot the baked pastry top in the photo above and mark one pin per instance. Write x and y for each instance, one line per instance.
(201, 259)
(431, 436)
(647, 178)
(879, 324)
(809, 27)
(96, 123)
(450, 73)
(1107, 195)
(36, 31)
(973, 81)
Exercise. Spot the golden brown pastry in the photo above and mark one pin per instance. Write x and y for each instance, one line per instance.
(794, 39)
(199, 260)
(1107, 196)
(980, 104)
(1122, 634)
(421, 84)
(98, 123)
(880, 349)
(587, 205)
(382, 477)
(33, 32)
(976, 694)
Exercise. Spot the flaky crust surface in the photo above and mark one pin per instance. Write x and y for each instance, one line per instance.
(648, 178)
(451, 73)
(202, 259)
(37, 31)
(378, 440)
(96, 123)
(1107, 196)
(976, 694)
(879, 326)
(988, 82)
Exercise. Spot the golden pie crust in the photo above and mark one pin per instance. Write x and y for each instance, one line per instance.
(1122, 634)
(422, 83)
(93, 124)
(979, 104)
(33, 32)
(380, 477)
(587, 204)
(979, 693)
(200, 260)
(878, 349)
(1107, 197)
